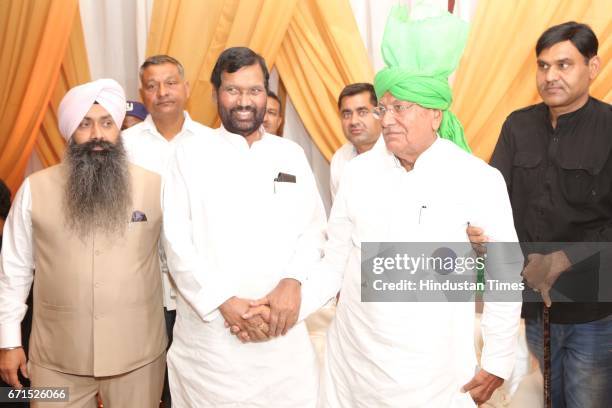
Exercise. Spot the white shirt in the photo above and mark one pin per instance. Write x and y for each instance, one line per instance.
(412, 354)
(343, 155)
(16, 267)
(147, 148)
(231, 230)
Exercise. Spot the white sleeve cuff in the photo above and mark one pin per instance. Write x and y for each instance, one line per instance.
(215, 314)
(501, 367)
(10, 335)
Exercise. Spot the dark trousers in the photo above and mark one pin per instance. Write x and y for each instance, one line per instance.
(170, 319)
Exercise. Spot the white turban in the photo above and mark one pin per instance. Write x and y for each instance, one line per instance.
(77, 102)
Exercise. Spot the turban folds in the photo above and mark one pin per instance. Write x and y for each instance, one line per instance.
(77, 102)
(419, 56)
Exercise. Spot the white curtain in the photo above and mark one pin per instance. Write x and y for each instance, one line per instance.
(294, 130)
(116, 37)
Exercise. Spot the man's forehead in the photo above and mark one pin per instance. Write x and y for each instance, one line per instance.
(97, 111)
(165, 70)
(249, 73)
(389, 99)
(272, 103)
(357, 101)
(564, 50)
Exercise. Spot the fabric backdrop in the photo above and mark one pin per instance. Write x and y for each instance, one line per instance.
(313, 44)
(497, 73)
(33, 42)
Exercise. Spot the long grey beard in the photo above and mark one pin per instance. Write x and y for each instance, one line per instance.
(98, 193)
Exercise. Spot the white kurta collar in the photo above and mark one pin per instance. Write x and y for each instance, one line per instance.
(429, 156)
(188, 125)
(239, 141)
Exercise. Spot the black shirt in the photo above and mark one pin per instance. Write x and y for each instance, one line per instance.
(560, 186)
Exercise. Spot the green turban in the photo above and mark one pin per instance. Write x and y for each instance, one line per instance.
(419, 56)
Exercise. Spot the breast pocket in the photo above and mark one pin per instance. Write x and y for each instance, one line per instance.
(526, 169)
(286, 203)
(284, 190)
(444, 221)
(580, 185)
(143, 234)
(141, 228)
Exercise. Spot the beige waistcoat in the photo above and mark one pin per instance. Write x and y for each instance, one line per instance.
(98, 301)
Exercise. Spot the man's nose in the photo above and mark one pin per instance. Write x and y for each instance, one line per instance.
(387, 119)
(244, 99)
(96, 132)
(162, 90)
(552, 74)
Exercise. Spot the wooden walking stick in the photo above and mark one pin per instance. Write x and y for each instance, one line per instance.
(547, 373)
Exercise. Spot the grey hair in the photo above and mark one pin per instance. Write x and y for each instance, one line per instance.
(161, 59)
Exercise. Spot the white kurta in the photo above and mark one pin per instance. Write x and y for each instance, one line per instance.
(343, 155)
(318, 323)
(147, 148)
(231, 230)
(413, 354)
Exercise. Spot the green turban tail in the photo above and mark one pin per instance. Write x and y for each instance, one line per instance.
(420, 55)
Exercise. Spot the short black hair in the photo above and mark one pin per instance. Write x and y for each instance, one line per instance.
(5, 201)
(275, 96)
(232, 59)
(581, 35)
(354, 89)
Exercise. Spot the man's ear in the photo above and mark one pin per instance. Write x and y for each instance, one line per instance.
(437, 119)
(594, 67)
(213, 94)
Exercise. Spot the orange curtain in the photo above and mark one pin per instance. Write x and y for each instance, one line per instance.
(50, 143)
(497, 73)
(321, 53)
(33, 41)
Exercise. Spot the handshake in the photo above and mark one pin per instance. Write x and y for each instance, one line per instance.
(271, 316)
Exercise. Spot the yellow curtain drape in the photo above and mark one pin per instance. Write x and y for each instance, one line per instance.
(497, 73)
(321, 53)
(74, 71)
(33, 40)
(315, 45)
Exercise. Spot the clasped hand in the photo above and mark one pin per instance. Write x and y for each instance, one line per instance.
(270, 316)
